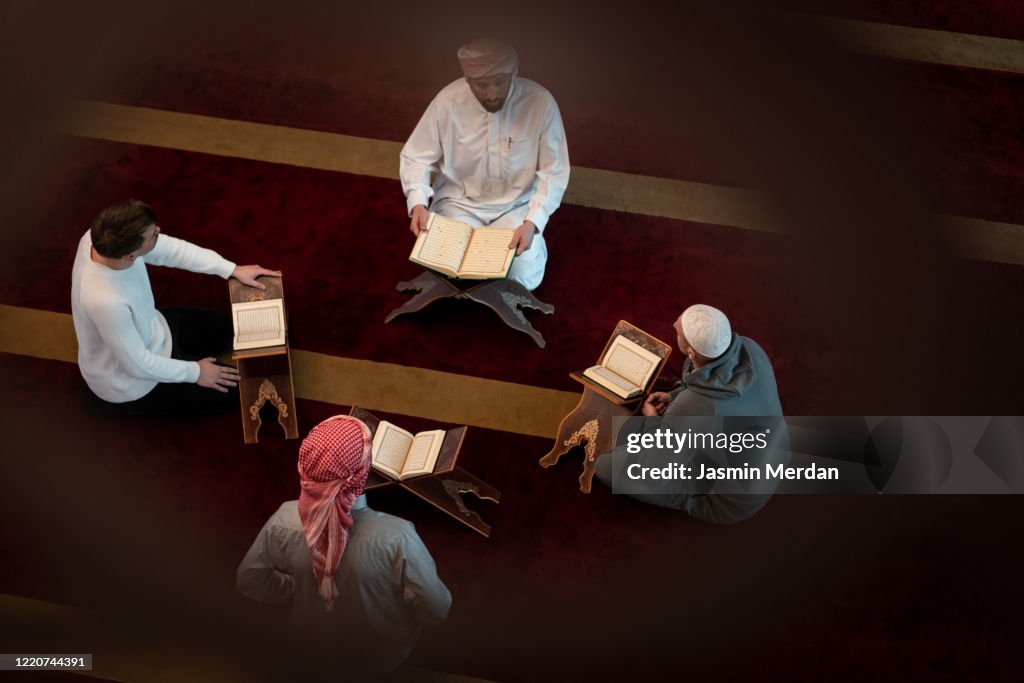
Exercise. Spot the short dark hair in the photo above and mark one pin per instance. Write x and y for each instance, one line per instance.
(120, 229)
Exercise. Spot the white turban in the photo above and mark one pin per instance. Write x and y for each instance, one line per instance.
(486, 57)
(706, 329)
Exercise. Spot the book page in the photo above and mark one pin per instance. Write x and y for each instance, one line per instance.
(612, 382)
(443, 245)
(390, 448)
(631, 361)
(258, 324)
(423, 453)
(258, 321)
(488, 254)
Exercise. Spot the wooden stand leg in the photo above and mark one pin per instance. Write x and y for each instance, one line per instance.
(589, 432)
(508, 298)
(571, 425)
(429, 287)
(589, 423)
(249, 391)
(592, 408)
(445, 493)
(269, 391)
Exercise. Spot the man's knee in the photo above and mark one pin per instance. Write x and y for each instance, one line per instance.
(604, 467)
(528, 268)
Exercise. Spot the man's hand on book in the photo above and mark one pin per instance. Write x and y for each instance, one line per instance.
(219, 377)
(656, 403)
(522, 238)
(247, 275)
(418, 223)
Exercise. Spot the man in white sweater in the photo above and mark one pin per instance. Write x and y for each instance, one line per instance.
(134, 358)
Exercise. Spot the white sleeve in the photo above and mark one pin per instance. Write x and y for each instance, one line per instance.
(257, 576)
(175, 253)
(419, 159)
(552, 171)
(423, 589)
(116, 326)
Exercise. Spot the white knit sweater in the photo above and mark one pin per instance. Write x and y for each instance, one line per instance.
(124, 343)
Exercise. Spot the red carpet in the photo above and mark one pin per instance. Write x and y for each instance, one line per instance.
(342, 243)
(637, 114)
(969, 136)
(146, 520)
(580, 587)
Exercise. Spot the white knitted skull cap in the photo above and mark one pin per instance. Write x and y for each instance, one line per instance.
(707, 329)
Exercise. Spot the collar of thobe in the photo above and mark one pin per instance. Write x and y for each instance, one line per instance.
(360, 503)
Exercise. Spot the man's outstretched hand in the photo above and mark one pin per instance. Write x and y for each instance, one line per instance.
(522, 238)
(418, 223)
(219, 377)
(247, 275)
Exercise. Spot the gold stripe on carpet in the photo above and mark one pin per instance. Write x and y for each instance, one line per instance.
(387, 387)
(242, 139)
(40, 334)
(985, 240)
(596, 188)
(441, 396)
(589, 187)
(927, 45)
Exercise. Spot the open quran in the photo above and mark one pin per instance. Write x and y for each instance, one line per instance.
(625, 369)
(258, 324)
(459, 250)
(401, 455)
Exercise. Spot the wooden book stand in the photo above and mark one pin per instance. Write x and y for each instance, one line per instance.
(266, 373)
(443, 487)
(507, 298)
(591, 420)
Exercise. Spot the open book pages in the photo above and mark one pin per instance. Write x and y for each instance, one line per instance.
(258, 324)
(402, 455)
(459, 250)
(610, 380)
(626, 368)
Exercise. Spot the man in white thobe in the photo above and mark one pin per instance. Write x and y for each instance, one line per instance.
(496, 147)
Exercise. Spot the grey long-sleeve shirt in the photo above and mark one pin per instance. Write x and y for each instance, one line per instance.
(732, 393)
(387, 581)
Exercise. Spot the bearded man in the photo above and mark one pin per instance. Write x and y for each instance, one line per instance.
(495, 146)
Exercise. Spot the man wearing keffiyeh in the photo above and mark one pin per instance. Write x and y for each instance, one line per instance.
(495, 146)
(342, 566)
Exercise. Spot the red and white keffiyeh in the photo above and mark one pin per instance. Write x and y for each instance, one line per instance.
(334, 461)
(486, 57)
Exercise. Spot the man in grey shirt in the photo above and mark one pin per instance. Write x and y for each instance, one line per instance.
(727, 387)
(343, 567)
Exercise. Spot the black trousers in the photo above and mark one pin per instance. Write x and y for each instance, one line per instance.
(196, 333)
